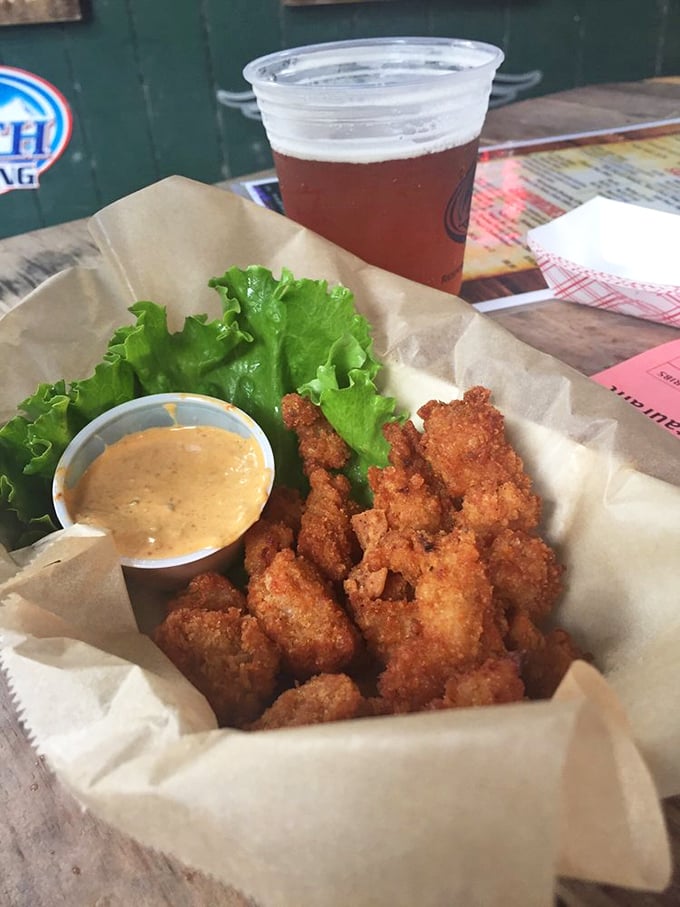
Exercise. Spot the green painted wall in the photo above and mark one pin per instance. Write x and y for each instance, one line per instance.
(141, 76)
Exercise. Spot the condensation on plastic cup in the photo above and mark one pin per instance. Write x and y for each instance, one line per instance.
(375, 144)
(374, 99)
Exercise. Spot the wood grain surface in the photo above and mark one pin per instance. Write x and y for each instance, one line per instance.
(53, 853)
(28, 12)
(580, 335)
(585, 109)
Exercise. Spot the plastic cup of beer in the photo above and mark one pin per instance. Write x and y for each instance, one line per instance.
(375, 145)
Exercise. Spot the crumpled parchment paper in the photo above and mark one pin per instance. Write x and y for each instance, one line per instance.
(475, 806)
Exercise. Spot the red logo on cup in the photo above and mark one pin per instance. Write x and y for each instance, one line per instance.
(457, 214)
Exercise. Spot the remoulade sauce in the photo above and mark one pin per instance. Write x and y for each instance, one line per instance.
(168, 491)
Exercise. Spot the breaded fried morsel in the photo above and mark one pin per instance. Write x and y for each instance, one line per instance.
(226, 656)
(544, 668)
(488, 509)
(452, 608)
(211, 592)
(297, 610)
(452, 592)
(406, 490)
(262, 542)
(319, 444)
(276, 529)
(524, 572)
(285, 505)
(495, 681)
(544, 659)
(326, 535)
(326, 697)
(386, 624)
(379, 599)
(453, 596)
(403, 552)
(415, 675)
(464, 442)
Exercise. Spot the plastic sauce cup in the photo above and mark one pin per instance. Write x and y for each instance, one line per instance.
(158, 411)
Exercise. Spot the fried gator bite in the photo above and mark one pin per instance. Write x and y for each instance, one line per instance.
(226, 656)
(262, 542)
(453, 605)
(464, 442)
(545, 658)
(407, 490)
(380, 601)
(285, 505)
(326, 697)
(276, 529)
(524, 572)
(319, 444)
(296, 609)
(495, 681)
(210, 592)
(326, 535)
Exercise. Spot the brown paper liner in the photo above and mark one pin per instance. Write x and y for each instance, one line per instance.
(467, 806)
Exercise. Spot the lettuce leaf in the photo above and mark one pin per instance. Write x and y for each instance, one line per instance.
(273, 337)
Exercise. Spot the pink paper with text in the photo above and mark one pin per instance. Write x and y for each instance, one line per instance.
(651, 383)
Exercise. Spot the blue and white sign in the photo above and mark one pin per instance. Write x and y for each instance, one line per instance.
(35, 128)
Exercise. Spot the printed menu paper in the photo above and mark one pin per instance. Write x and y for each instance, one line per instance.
(517, 189)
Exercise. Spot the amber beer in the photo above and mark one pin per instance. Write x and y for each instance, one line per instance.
(409, 216)
(375, 145)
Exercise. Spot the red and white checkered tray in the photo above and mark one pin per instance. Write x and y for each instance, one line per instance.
(613, 255)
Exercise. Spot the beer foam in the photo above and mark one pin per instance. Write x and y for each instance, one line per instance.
(368, 101)
(373, 151)
(345, 154)
(433, 120)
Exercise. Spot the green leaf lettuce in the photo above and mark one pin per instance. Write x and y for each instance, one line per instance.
(273, 337)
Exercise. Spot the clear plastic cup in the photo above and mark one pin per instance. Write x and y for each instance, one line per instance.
(375, 144)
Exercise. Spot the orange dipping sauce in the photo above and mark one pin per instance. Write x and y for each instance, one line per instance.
(167, 491)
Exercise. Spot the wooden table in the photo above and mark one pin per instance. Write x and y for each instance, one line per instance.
(54, 854)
